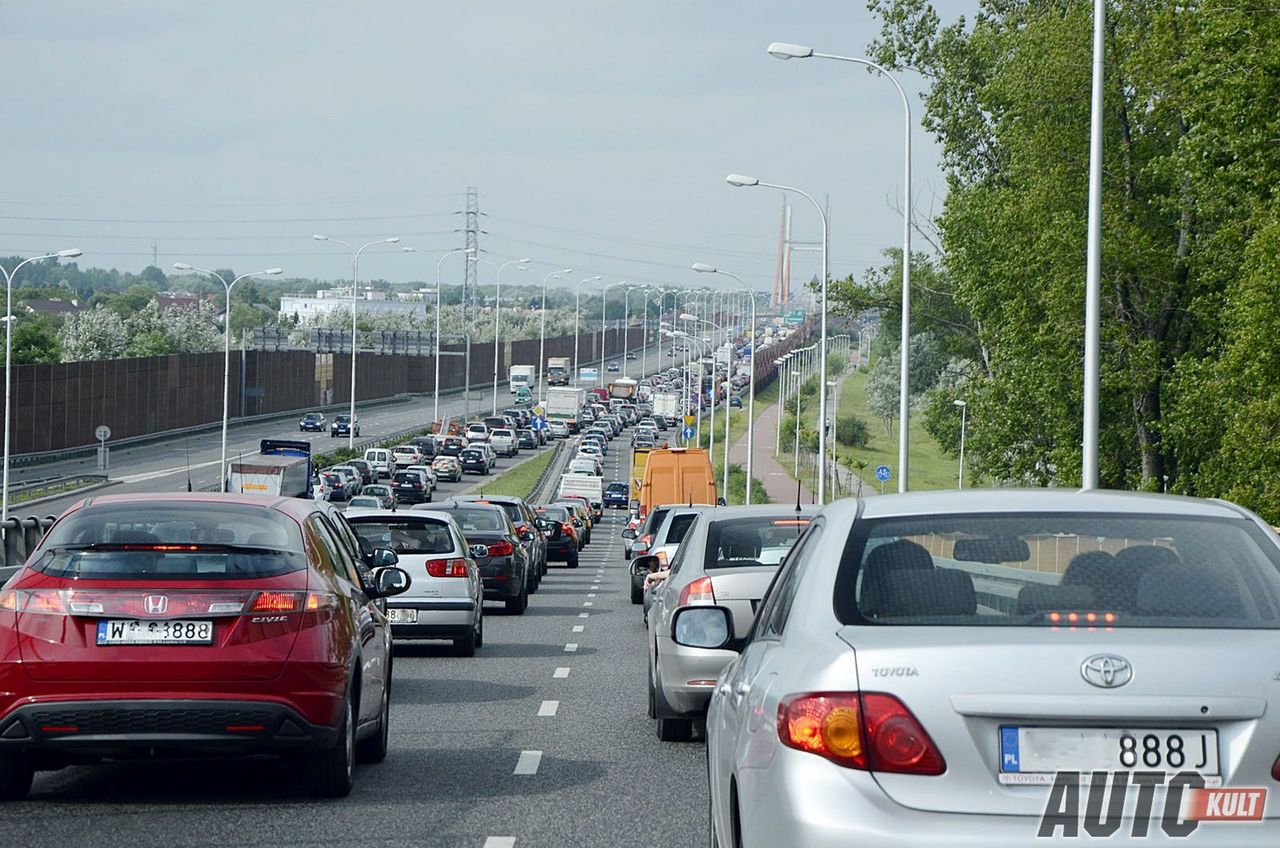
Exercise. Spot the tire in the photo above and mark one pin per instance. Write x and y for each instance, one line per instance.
(653, 707)
(573, 561)
(637, 593)
(465, 646)
(520, 603)
(16, 773)
(332, 771)
(480, 629)
(675, 729)
(374, 749)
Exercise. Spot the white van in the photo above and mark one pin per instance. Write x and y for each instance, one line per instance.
(381, 461)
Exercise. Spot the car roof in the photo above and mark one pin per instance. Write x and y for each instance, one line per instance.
(388, 514)
(498, 499)
(1036, 500)
(729, 513)
(297, 507)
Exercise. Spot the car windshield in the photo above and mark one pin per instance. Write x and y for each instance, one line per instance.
(407, 477)
(341, 419)
(404, 536)
(191, 541)
(754, 541)
(555, 513)
(1060, 570)
(479, 519)
(617, 488)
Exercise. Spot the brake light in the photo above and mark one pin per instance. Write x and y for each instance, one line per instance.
(34, 601)
(501, 548)
(568, 530)
(697, 592)
(319, 601)
(871, 731)
(1081, 617)
(276, 602)
(447, 567)
(523, 528)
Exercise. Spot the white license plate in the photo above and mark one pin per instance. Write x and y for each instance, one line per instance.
(118, 631)
(402, 616)
(1034, 754)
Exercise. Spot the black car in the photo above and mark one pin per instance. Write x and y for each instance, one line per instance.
(341, 426)
(426, 445)
(523, 518)
(473, 459)
(335, 487)
(557, 528)
(617, 495)
(527, 439)
(312, 422)
(411, 487)
(505, 570)
(520, 414)
(453, 446)
(367, 474)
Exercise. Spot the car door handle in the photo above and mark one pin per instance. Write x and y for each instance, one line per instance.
(742, 688)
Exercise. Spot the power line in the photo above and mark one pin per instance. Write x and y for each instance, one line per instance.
(228, 220)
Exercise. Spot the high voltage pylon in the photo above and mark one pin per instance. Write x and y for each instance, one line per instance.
(472, 228)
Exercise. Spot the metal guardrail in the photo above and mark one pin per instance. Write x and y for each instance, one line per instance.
(20, 536)
(551, 472)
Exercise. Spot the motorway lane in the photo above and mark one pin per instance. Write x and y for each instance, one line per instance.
(567, 706)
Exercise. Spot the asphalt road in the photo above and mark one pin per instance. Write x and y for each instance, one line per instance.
(163, 466)
(541, 739)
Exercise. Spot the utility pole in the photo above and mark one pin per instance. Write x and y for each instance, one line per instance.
(471, 225)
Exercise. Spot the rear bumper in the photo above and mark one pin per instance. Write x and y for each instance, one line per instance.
(562, 550)
(437, 619)
(138, 727)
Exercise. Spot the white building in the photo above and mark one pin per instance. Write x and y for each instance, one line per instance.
(307, 309)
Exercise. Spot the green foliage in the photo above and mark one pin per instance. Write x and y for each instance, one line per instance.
(852, 431)
(35, 340)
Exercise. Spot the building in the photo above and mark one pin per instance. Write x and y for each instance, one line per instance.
(53, 306)
(325, 301)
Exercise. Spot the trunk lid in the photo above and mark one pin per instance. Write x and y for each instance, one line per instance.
(740, 590)
(964, 684)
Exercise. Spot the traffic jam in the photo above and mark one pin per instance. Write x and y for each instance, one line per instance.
(977, 667)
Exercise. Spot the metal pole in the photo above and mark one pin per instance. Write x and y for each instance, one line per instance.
(497, 312)
(964, 410)
(1093, 273)
(626, 329)
(351, 422)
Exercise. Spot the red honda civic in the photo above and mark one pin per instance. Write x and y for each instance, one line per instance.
(196, 624)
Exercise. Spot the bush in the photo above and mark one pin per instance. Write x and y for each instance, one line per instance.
(852, 431)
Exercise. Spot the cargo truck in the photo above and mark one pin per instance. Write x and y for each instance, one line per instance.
(666, 403)
(624, 388)
(565, 403)
(586, 486)
(281, 467)
(558, 371)
(522, 376)
(677, 476)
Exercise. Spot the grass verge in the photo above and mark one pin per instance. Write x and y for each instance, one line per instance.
(520, 480)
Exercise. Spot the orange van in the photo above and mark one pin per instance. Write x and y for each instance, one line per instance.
(677, 476)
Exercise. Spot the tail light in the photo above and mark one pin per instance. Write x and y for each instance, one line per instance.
(38, 601)
(567, 529)
(501, 548)
(871, 731)
(523, 528)
(278, 602)
(447, 567)
(1275, 770)
(697, 592)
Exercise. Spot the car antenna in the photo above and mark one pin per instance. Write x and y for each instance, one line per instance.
(240, 457)
(187, 444)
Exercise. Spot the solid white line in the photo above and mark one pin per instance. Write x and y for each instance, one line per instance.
(548, 709)
(578, 628)
(528, 762)
(571, 647)
(561, 672)
(500, 842)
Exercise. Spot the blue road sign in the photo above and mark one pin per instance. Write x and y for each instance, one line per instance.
(538, 423)
(883, 473)
(688, 432)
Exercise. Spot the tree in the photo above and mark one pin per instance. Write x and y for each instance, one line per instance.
(97, 333)
(34, 341)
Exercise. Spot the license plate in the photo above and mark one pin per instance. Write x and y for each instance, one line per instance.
(116, 631)
(1034, 754)
(402, 616)
(546, 532)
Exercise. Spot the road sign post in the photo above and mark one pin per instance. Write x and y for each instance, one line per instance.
(102, 432)
(883, 473)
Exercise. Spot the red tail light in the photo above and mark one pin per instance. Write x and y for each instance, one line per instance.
(567, 529)
(277, 602)
(697, 592)
(501, 548)
(447, 567)
(1275, 770)
(522, 528)
(871, 731)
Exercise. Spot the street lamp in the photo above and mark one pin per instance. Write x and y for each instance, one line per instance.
(747, 182)
(355, 271)
(69, 253)
(782, 50)
(604, 332)
(542, 342)
(577, 307)
(715, 390)
(626, 324)
(703, 268)
(497, 312)
(435, 408)
(1093, 261)
(964, 409)
(226, 350)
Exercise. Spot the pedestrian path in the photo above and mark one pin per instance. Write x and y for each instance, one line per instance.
(775, 479)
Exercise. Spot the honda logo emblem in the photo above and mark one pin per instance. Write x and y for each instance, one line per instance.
(155, 604)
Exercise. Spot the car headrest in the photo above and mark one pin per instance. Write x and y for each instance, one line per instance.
(133, 537)
(916, 592)
(1035, 598)
(1183, 591)
(1089, 569)
(737, 543)
(1142, 557)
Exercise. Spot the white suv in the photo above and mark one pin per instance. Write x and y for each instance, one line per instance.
(477, 432)
(504, 442)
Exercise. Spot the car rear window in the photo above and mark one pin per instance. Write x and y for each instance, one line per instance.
(479, 519)
(502, 433)
(1060, 570)
(755, 541)
(407, 477)
(190, 540)
(404, 536)
(555, 513)
(680, 525)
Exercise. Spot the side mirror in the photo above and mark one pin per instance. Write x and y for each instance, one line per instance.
(391, 581)
(479, 551)
(648, 564)
(383, 558)
(542, 523)
(721, 502)
(629, 533)
(702, 627)
(526, 535)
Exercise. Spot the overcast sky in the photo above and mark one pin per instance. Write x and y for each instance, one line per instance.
(598, 134)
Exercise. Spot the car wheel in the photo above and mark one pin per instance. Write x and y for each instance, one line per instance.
(480, 628)
(573, 561)
(16, 773)
(333, 769)
(374, 749)
(520, 603)
(637, 592)
(466, 646)
(653, 707)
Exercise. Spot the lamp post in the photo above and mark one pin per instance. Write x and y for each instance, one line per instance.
(604, 332)
(542, 340)
(781, 363)
(69, 253)
(782, 50)
(577, 308)
(1093, 263)
(435, 403)
(226, 350)
(715, 390)
(741, 181)
(964, 409)
(626, 325)
(355, 271)
(703, 268)
(497, 312)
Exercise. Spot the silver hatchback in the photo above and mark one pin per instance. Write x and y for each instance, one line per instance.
(998, 668)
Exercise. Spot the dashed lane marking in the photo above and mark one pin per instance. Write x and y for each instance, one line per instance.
(584, 615)
(571, 648)
(578, 628)
(528, 762)
(588, 603)
(500, 841)
(561, 673)
(548, 709)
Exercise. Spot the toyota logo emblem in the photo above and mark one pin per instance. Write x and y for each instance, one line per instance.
(1106, 671)
(155, 604)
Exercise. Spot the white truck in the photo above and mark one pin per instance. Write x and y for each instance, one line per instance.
(666, 403)
(565, 403)
(522, 375)
(585, 486)
(289, 476)
(558, 371)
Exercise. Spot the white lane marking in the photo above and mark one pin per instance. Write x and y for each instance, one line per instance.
(570, 648)
(561, 672)
(588, 604)
(578, 628)
(584, 615)
(528, 762)
(500, 842)
(592, 594)
(548, 709)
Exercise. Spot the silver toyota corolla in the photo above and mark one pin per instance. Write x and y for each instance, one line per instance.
(989, 667)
